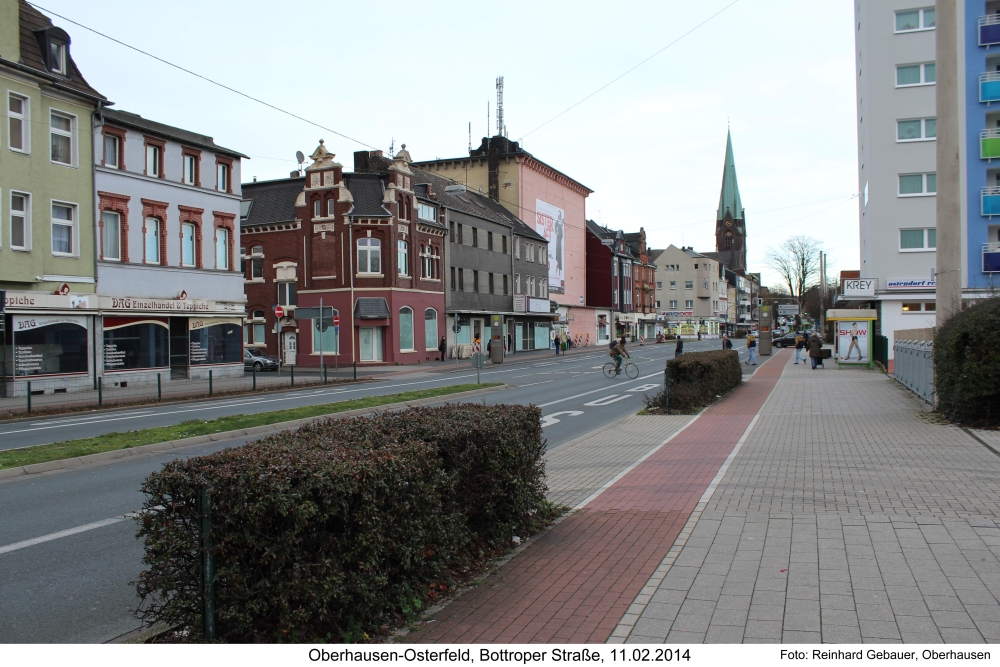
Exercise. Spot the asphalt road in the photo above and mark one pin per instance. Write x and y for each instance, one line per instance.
(68, 554)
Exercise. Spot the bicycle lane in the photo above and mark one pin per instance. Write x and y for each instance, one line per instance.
(577, 580)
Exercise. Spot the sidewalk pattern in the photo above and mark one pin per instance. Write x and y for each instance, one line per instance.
(578, 579)
(847, 516)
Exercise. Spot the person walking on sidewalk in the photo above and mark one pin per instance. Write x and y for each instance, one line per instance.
(443, 347)
(726, 343)
(800, 344)
(752, 349)
(816, 350)
(680, 346)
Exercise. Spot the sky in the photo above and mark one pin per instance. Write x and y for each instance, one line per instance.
(778, 73)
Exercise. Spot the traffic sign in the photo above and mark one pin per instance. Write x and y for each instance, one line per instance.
(279, 311)
(336, 321)
(479, 360)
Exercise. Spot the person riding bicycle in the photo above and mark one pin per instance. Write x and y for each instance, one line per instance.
(619, 353)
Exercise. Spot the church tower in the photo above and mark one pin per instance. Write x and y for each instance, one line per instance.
(730, 226)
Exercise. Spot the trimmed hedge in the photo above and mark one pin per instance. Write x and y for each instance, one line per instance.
(967, 365)
(334, 529)
(697, 378)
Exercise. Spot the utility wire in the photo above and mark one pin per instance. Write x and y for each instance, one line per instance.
(204, 78)
(626, 72)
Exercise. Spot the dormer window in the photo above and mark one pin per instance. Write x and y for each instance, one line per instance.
(57, 57)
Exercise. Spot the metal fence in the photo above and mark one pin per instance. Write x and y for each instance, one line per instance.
(913, 367)
(37, 397)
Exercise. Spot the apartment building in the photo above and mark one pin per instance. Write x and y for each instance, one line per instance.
(692, 290)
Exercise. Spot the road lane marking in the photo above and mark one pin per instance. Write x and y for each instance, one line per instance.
(645, 387)
(63, 533)
(593, 391)
(607, 400)
(532, 384)
(549, 420)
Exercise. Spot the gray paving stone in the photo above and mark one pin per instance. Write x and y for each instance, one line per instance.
(681, 637)
(766, 612)
(981, 612)
(837, 602)
(763, 629)
(652, 627)
(730, 617)
(724, 634)
(879, 629)
(875, 612)
(840, 634)
(961, 636)
(800, 637)
(839, 616)
(943, 603)
(661, 611)
(952, 619)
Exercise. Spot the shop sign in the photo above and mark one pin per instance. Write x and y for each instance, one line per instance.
(910, 284)
(677, 313)
(538, 306)
(860, 288)
(156, 305)
(520, 303)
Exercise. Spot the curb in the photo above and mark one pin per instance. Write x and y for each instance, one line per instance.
(159, 447)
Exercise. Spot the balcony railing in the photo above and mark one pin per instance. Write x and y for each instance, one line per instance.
(989, 144)
(990, 198)
(989, 87)
(991, 258)
(989, 30)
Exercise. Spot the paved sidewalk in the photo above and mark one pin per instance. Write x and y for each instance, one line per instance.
(576, 581)
(847, 516)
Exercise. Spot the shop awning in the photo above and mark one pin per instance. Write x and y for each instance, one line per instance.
(371, 308)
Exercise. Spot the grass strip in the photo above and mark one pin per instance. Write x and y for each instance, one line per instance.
(114, 441)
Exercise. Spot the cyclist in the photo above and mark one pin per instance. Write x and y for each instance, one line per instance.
(619, 353)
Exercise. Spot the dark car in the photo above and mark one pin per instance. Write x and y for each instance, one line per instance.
(788, 340)
(257, 360)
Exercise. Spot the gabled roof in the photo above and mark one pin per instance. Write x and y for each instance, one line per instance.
(729, 197)
(368, 191)
(273, 201)
(31, 22)
(471, 203)
(134, 120)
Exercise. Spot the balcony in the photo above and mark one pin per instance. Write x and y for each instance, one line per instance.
(989, 30)
(989, 144)
(990, 201)
(989, 87)
(991, 258)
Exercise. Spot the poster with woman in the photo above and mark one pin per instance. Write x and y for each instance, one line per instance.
(550, 223)
(852, 341)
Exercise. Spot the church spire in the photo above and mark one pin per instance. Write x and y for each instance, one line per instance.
(729, 198)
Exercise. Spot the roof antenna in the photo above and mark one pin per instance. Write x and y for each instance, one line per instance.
(470, 137)
(501, 130)
(392, 147)
(487, 118)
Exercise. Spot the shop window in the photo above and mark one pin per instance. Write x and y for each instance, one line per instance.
(37, 338)
(406, 329)
(430, 329)
(215, 341)
(133, 343)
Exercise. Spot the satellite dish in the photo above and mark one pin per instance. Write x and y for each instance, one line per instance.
(300, 157)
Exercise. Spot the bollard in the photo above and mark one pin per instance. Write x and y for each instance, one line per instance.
(207, 564)
(159, 387)
(255, 378)
(666, 388)
(293, 376)
(100, 392)
(29, 398)
(210, 382)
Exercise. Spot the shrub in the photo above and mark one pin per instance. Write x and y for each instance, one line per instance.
(332, 529)
(967, 365)
(697, 378)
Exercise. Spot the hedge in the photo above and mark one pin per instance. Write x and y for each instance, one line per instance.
(967, 365)
(698, 378)
(339, 527)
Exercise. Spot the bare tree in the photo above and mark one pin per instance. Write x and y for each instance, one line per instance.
(796, 260)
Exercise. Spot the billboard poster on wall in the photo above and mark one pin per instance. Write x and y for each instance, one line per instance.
(852, 341)
(550, 222)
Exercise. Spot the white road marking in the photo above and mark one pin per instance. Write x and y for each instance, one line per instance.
(548, 363)
(549, 420)
(532, 384)
(645, 387)
(63, 533)
(607, 400)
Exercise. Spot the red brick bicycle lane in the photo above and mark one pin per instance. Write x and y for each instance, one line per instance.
(577, 580)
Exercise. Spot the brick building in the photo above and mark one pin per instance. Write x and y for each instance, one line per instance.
(359, 242)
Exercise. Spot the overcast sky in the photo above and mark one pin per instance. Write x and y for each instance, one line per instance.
(651, 146)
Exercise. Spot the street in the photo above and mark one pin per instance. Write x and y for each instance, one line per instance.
(70, 583)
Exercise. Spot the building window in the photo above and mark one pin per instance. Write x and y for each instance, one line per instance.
(490, 285)
(254, 330)
(917, 307)
(403, 257)
(426, 212)
(330, 205)
(453, 283)
(730, 243)
(151, 234)
(222, 177)
(20, 221)
(256, 260)
(111, 148)
(543, 287)
(460, 233)
(112, 232)
(529, 252)
(191, 169)
(921, 74)
(517, 283)
(451, 233)
(406, 329)
(57, 57)
(531, 285)
(63, 228)
(506, 286)
(917, 129)
(61, 130)
(316, 207)
(286, 294)
(369, 255)
(221, 248)
(187, 244)
(475, 237)
(673, 284)
(154, 160)
(916, 185)
(17, 123)
(475, 281)
(918, 239)
(688, 284)
(430, 329)
(461, 280)
(659, 284)
(689, 303)
(504, 244)
(517, 248)
(909, 20)
(673, 304)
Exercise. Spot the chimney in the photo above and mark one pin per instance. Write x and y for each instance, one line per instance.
(360, 161)
(294, 173)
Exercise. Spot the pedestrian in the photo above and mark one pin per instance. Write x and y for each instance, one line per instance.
(800, 345)
(816, 350)
(555, 342)
(442, 347)
(751, 349)
(726, 343)
(510, 342)
(680, 346)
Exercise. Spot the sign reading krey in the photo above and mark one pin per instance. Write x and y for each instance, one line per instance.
(860, 287)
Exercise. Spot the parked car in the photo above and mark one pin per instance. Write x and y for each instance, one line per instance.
(255, 360)
(788, 340)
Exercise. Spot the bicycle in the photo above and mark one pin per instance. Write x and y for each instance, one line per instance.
(631, 370)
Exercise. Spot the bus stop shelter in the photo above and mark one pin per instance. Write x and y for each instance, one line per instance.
(854, 336)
